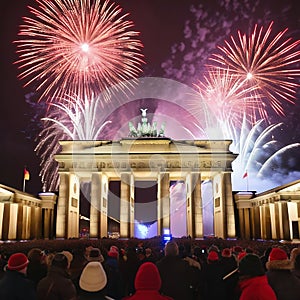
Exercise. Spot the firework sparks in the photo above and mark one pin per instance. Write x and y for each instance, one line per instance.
(269, 63)
(225, 100)
(77, 47)
(73, 119)
(79, 119)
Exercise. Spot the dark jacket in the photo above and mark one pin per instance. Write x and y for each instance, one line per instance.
(256, 288)
(114, 287)
(176, 276)
(15, 286)
(214, 285)
(285, 285)
(36, 271)
(56, 285)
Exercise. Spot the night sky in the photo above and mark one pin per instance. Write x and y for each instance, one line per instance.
(163, 29)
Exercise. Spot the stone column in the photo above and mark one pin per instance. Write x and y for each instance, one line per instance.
(95, 208)
(229, 208)
(286, 235)
(256, 232)
(1, 219)
(163, 203)
(10, 217)
(268, 229)
(243, 202)
(125, 206)
(196, 206)
(62, 206)
(48, 205)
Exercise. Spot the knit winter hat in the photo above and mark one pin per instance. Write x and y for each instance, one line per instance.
(277, 254)
(213, 256)
(251, 265)
(147, 277)
(17, 262)
(278, 260)
(226, 252)
(93, 277)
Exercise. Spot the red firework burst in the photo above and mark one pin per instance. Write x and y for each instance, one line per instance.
(265, 61)
(77, 48)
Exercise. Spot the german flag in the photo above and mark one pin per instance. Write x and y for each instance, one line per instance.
(26, 174)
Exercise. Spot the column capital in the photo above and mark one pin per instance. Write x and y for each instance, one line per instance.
(48, 200)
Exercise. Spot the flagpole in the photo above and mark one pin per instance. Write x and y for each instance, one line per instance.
(24, 183)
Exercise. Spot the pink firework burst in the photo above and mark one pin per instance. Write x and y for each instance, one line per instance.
(77, 48)
(226, 98)
(268, 62)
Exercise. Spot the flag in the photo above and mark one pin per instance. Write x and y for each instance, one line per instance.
(245, 174)
(26, 174)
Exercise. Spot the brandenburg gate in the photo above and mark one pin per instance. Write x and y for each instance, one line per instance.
(157, 159)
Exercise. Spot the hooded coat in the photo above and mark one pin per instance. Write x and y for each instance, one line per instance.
(56, 285)
(256, 288)
(285, 285)
(147, 284)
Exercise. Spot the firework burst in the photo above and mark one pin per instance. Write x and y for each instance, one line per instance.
(266, 61)
(224, 100)
(77, 47)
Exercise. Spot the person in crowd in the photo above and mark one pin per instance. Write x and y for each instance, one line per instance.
(91, 254)
(114, 288)
(14, 285)
(213, 277)
(285, 285)
(92, 282)
(229, 264)
(57, 284)
(37, 267)
(176, 274)
(295, 259)
(141, 255)
(147, 284)
(129, 268)
(3, 263)
(253, 282)
(265, 257)
(149, 255)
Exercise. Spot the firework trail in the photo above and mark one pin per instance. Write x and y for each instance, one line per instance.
(275, 160)
(77, 47)
(80, 118)
(71, 119)
(267, 62)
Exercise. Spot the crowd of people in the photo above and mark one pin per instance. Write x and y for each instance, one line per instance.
(136, 270)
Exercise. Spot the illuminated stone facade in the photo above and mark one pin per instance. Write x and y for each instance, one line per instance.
(274, 214)
(24, 217)
(155, 159)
